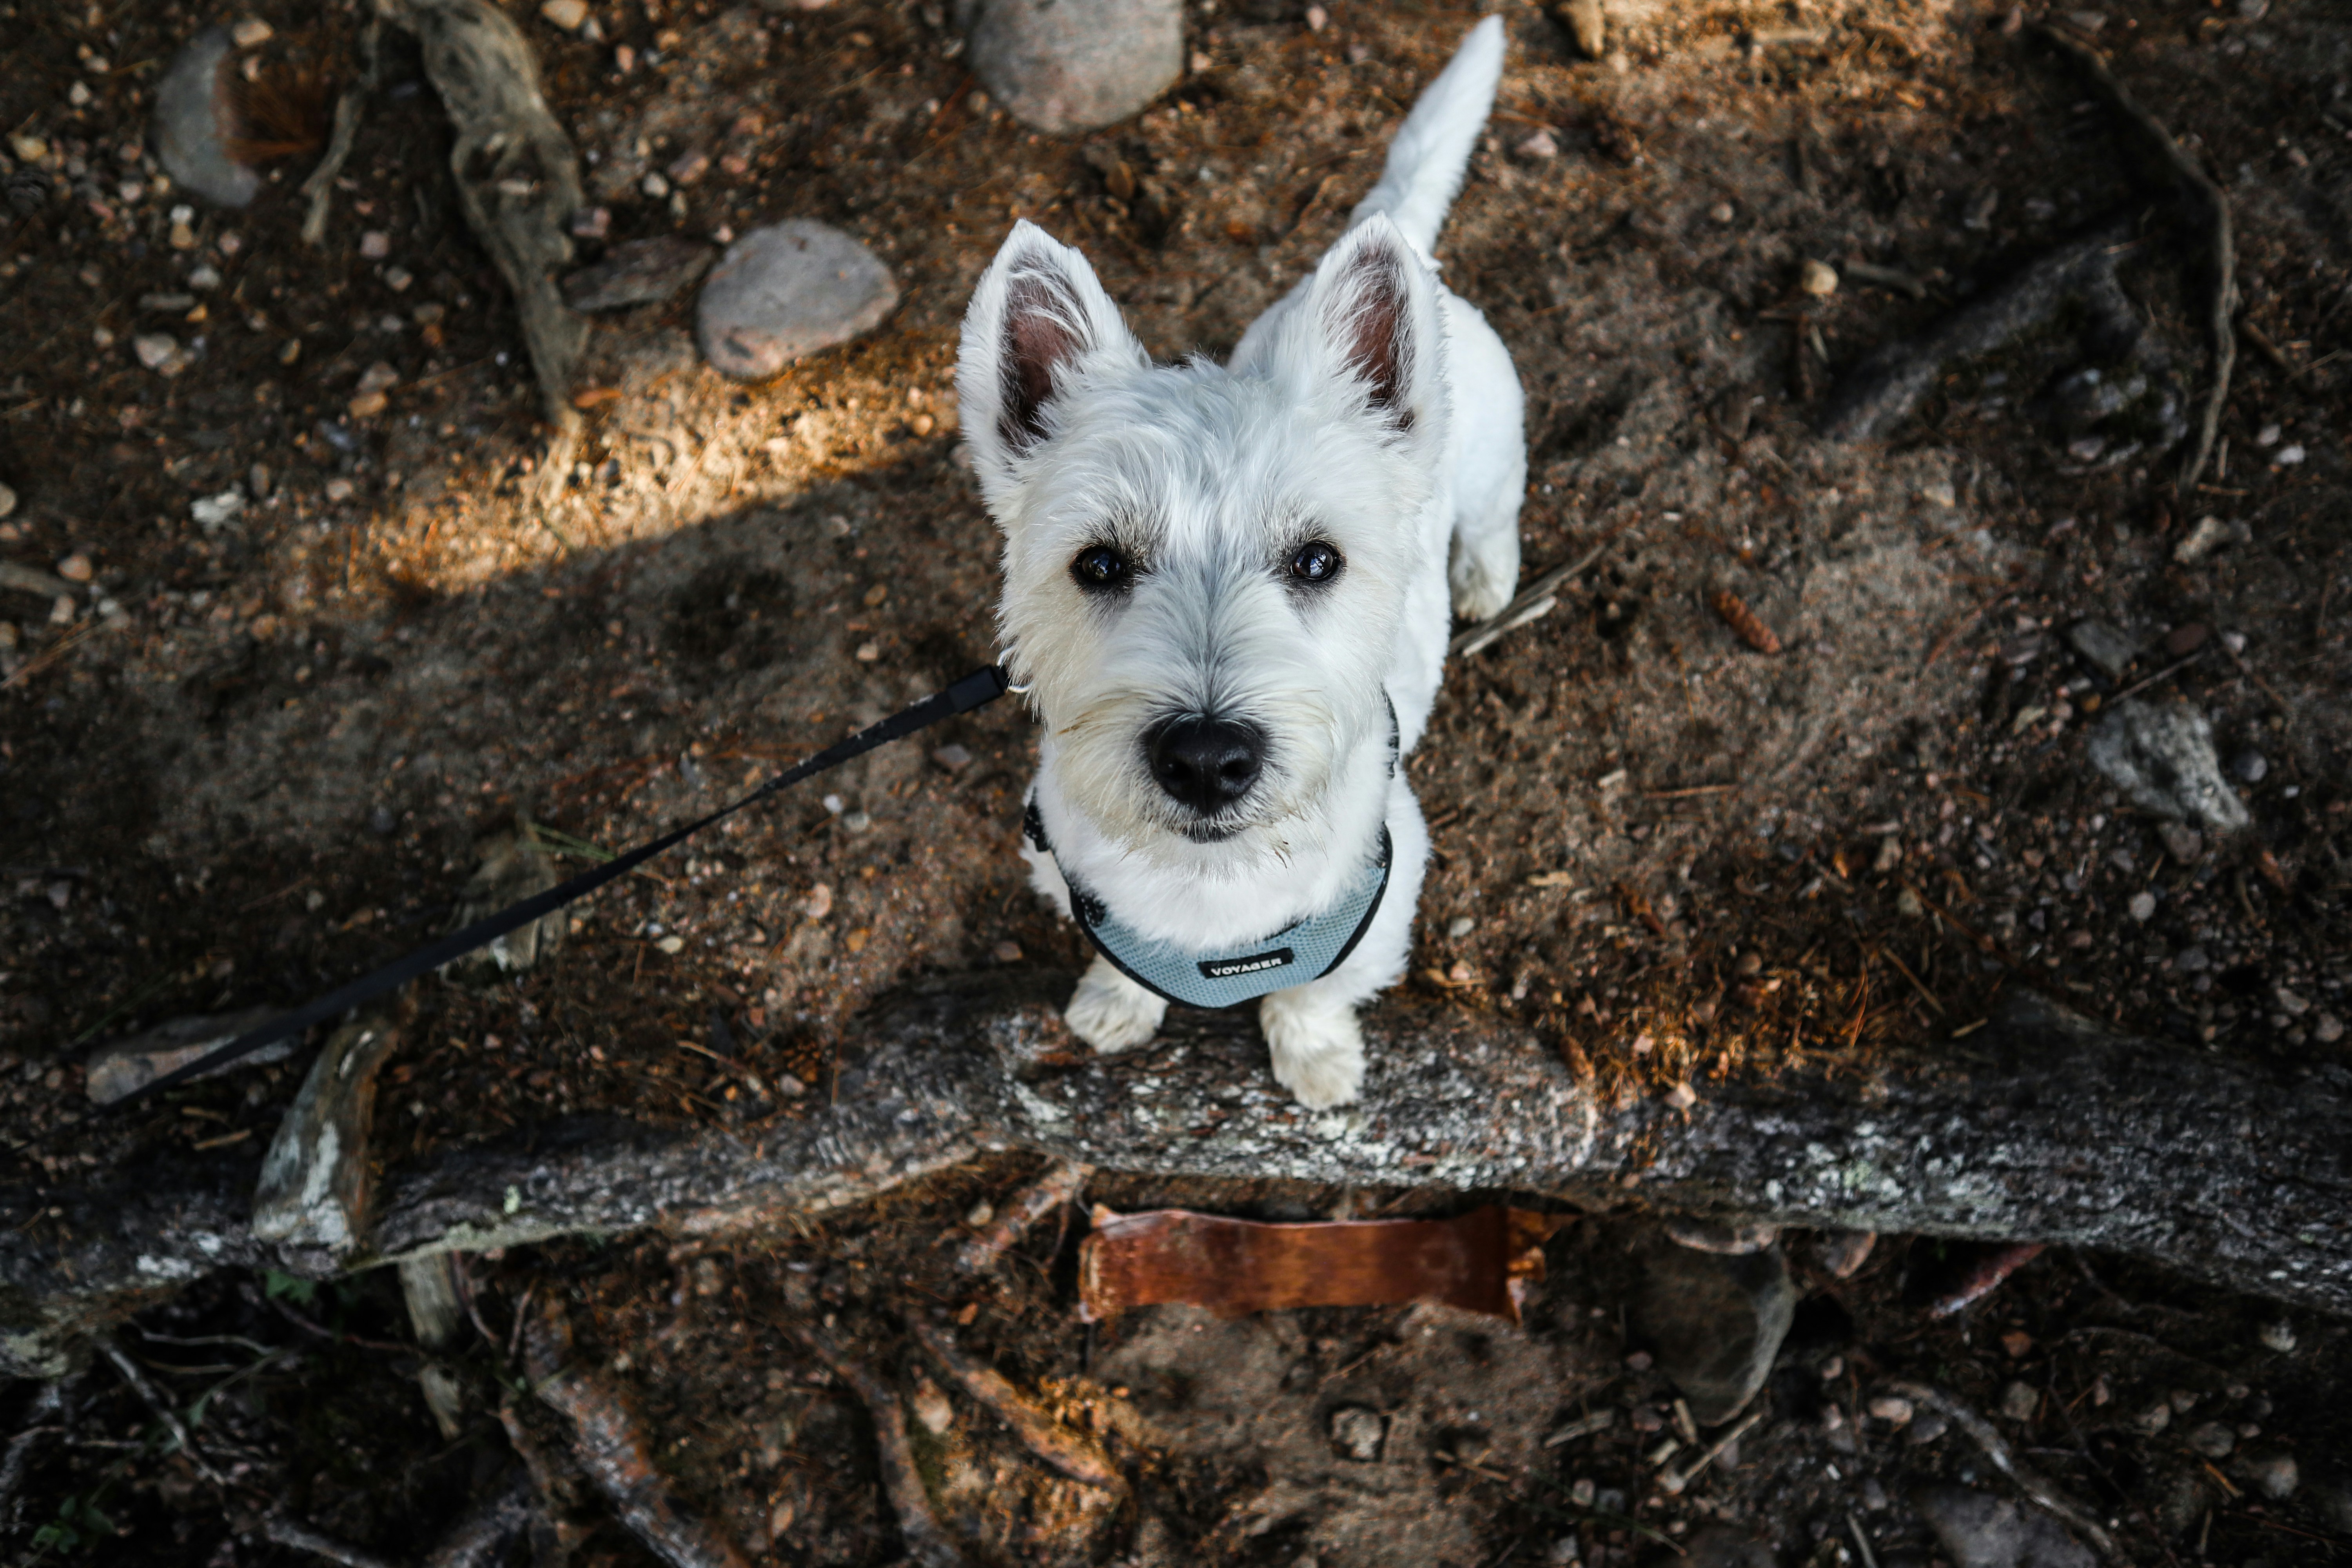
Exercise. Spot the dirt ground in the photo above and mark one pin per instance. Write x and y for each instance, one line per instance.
(262, 755)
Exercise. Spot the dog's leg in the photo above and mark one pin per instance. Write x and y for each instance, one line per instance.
(1317, 1048)
(1491, 465)
(1110, 1012)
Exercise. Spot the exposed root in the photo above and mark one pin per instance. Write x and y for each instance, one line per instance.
(319, 190)
(1067, 1451)
(293, 1532)
(2221, 238)
(920, 1530)
(1061, 1183)
(480, 1537)
(1996, 1447)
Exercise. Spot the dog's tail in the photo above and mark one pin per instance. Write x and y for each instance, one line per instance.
(1427, 159)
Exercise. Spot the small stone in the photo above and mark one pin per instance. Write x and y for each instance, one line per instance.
(930, 1402)
(367, 404)
(1461, 926)
(786, 292)
(211, 511)
(8, 500)
(2210, 534)
(2019, 1401)
(250, 32)
(205, 278)
(1076, 65)
(2249, 765)
(2182, 842)
(672, 944)
(2161, 757)
(2327, 1028)
(1539, 147)
(1317, 18)
(819, 902)
(380, 822)
(1722, 212)
(196, 120)
(689, 167)
(1927, 1429)
(1588, 24)
(638, 272)
(156, 350)
(1818, 279)
(2278, 1336)
(868, 652)
(1006, 953)
(339, 489)
(1841, 1252)
(378, 377)
(979, 1215)
(952, 757)
(1356, 1433)
(2211, 1439)
(2103, 647)
(375, 245)
(2143, 907)
(655, 184)
(1893, 1409)
(2288, 456)
(2183, 1400)
(567, 15)
(2275, 1476)
(75, 568)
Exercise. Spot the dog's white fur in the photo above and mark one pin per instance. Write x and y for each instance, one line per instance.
(1369, 409)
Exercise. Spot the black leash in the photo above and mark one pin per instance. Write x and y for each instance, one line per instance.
(979, 687)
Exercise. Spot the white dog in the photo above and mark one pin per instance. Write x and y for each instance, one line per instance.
(1226, 596)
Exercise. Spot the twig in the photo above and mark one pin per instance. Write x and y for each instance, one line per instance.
(293, 1532)
(1995, 1448)
(1861, 1542)
(1523, 609)
(155, 1402)
(319, 188)
(1672, 1481)
(919, 1531)
(2270, 350)
(2165, 674)
(2224, 306)
(1074, 1455)
(1062, 1182)
(1887, 278)
(2248, 671)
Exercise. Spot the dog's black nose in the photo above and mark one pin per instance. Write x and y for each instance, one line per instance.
(1207, 763)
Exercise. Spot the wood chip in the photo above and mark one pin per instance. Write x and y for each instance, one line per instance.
(1744, 622)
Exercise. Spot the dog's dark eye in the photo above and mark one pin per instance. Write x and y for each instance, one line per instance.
(1316, 563)
(1101, 566)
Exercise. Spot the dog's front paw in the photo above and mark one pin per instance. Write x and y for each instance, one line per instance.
(1112, 1013)
(1317, 1046)
(1482, 587)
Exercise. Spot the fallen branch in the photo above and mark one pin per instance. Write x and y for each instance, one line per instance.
(2221, 237)
(2040, 1493)
(919, 1531)
(1074, 1455)
(293, 1532)
(1534, 602)
(480, 1537)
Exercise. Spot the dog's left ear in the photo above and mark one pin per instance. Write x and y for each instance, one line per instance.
(1037, 320)
(1371, 318)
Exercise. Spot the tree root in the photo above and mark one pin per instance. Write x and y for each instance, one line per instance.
(926, 1540)
(2220, 235)
(1061, 1183)
(1065, 1451)
(2040, 1493)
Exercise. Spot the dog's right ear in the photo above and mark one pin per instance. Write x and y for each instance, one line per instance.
(1037, 319)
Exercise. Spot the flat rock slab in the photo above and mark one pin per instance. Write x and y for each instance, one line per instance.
(639, 272)
(1077, 65)
(786, 292)
(195, 118)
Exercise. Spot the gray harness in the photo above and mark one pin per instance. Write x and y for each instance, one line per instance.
(1305, 949)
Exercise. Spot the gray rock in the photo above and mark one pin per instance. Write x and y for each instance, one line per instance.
(2162, 758)
(194, 119)
(126, 1066)
(2104, 647)
(514, 867)
(1076, 65)
(2211, 1439)
(2273, 1475)
(1356, 1433)
(640, 272)
(1718, 1322)
(785, 292)
(2249, 765)
(1979, 1530)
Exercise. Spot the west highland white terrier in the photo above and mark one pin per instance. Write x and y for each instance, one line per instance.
(1225, 596)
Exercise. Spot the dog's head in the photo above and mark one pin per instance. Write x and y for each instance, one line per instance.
(1206, 568)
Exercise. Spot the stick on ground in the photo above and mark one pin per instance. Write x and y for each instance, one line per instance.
(1061, 1183)
(2221, 238)
(1067, 1451)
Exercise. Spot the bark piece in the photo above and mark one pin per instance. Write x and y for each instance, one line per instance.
(312, 1199)
(1061, 1183)
(1235, 1267)
(610, 1445)
(125, 1067)
(1077, 1456)
(919, 1531)
(518, 176)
